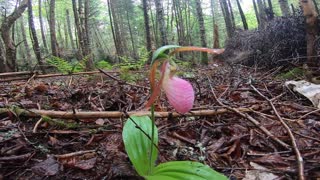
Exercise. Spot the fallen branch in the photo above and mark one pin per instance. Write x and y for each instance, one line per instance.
(16, 73)
(250, 118)
(27, 75)
(115, 114)
(293, 140)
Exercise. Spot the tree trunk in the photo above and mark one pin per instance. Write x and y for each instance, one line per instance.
(227, 17)
(69, 29)
(256, 11)
(262, 14)
(243, 17)
(88, 53)
(65, 29)
(60, 38)
(116, 28)
(54, 43)
(10, 48)
(311, 15)
(216, 43)
(316, 6)
(78, 28)
(284, 6)
(130, 32)
(231, 13)
(269, 11)
(44, 41)
(3, 67)
(25, 42)
(161, 23)
(204, 58)
(179, 22)
(35, 43)
(112, 28)
(147, 27)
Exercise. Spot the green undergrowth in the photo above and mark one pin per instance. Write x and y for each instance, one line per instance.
(291, 74)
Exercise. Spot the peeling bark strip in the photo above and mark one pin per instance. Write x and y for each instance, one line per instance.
(10, 48)
(116, 114)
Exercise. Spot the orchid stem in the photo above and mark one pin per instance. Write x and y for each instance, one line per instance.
(152, 138)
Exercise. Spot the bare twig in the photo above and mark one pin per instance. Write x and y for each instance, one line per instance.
(293, 140)
(307, 114)
(34, 130)
(250, 118)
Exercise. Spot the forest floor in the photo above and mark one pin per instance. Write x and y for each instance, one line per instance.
(245, 140)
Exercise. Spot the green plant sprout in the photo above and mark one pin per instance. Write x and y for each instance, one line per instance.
(140, 135)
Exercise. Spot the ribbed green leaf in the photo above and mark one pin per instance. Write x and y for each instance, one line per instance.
(186, 170)
(137, 144)
(159, 53)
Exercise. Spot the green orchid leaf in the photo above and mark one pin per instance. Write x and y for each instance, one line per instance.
(186, 170)
(159, 53)
(137, 143)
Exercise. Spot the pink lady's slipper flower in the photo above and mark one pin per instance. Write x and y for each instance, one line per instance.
(178, 91)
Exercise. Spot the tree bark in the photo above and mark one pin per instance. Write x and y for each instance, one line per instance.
(311, 15)
(227, 17)
(130, 32)
(256, 11)
(35, 43)
(3, 67)
(243, 17)
(284, 6)
(25, 42)
(77, 23)
(161, 23)
(54, 43)
(116, 28)
(204, 55)
(69, 29)
(147, 28)
(262, 14)
(10, 48)
(88, 53)
(316, 6)
(112, 28)
(44, 41)
(216, 43)
(231, 13)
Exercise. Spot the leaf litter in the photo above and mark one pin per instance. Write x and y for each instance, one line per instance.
(92, 148)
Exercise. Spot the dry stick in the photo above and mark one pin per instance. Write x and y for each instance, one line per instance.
(34, 130)
(74, 154)
(119, 80)
(117, 114)
(250, 118)
(315, 111)
(293, 140)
